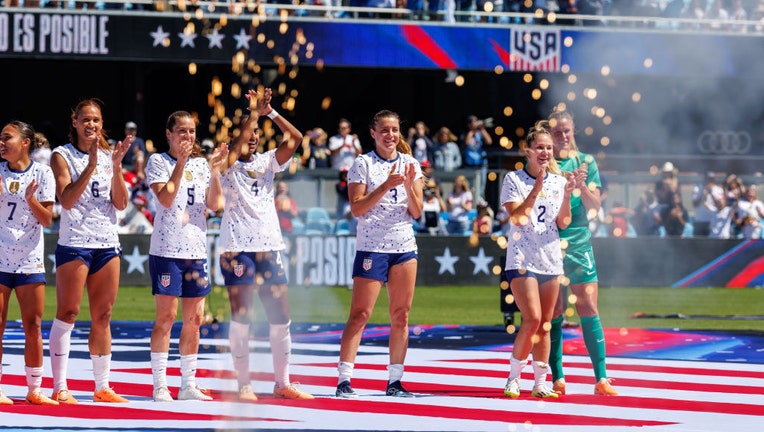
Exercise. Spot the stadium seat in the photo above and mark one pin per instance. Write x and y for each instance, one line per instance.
(318, 221)
(342, 227)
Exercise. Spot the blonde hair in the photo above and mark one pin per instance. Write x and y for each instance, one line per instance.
(540, 128)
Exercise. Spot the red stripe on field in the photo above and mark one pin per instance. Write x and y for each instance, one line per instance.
(120, 412)
(400, 407)
(634, 368)
(578, 379)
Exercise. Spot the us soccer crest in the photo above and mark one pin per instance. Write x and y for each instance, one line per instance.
(367, 263)
(238, 270)
(14, 187)
(187, 175)
(165, 280)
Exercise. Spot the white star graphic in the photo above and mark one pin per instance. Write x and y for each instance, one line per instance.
(446, 262)
(481, 262)
(159, 36)
(135, 261)
(52, 258)
(215, 38)
(187, 39)
(242, 39)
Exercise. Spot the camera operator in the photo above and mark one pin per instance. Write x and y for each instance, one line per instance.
(474, 138)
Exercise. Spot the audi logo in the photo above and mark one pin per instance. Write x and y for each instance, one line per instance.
(723, 142)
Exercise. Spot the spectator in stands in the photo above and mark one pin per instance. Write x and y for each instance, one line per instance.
(474, 140)
(286, 206)
(421, 144)
(734, 191)
(315, 152)
(668, 185)
(459, 204)
(647, 215)
(738, 13)
(693, 11)
(619, 220)
(251, 245)
(446, 155)
(42, 153)
(136, 145)
(482, 224)
(591, 7)
(748, 214)
(718, 16)
(675, 217)
(343, 202)
(431, 222)
(344, 146)
(386, 196)
(711, 211)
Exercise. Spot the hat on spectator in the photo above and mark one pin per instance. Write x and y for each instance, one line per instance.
(425, 164)
(131, 125)
(668, 167)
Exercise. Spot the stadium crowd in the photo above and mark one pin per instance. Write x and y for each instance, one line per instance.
(723, 206)
(723, 15)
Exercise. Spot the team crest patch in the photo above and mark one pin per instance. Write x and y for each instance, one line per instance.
(165, 280)
(367, 263)
(14, 187)
(238, 270)
(252, 174)
(187, 175)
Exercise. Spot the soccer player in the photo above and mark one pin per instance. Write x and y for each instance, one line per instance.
(91, 188)
(385, 192)
(27, 193)
(251, 245)
(580, 267)
(185, 184)
(537, 199)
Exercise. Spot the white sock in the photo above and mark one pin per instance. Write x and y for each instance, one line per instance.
(281, 350)
(238, 338)
(59, 343)
(346, 371)
(395, 372)
(188, 370)
(34, 377)
(516, 367)
(101, 368)
(159, 368)
(540, 370)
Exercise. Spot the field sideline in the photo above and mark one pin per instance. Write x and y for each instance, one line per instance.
(477, 306)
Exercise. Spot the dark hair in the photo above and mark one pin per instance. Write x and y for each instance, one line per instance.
(103, 141)
(173, 119)
(27, 132)
(403, 146)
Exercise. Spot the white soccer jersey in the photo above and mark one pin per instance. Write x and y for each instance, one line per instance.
(21, 241)
(92, 221)
(388, 226)
(535, 246)
(250, 222)
(181, 230)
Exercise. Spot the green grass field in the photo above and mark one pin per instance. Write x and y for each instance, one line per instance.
(476, 305)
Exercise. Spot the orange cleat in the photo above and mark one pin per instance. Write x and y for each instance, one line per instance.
(290, 392)
(63, 397)
(37, 397)
(559, 386)
(107, 394)
(604, 388)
